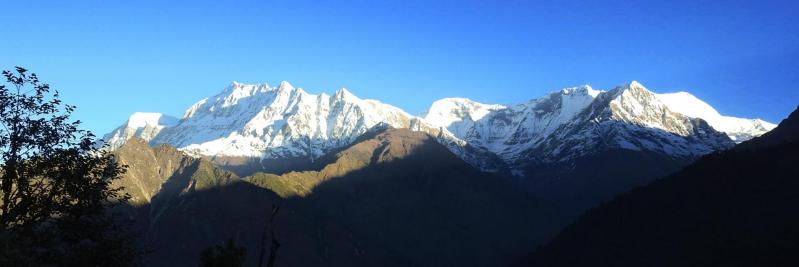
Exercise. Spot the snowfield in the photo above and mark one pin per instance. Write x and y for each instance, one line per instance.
(267, 122)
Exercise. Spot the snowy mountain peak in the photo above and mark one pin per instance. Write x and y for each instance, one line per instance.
(239, 91)
(234, 84)
(457, 101)
(632, 91)
(344, 94)
(629, 117)
(581, 90)
(274, 122)
(688, 104)
(285, 86)
(633, 87)
(445, 112)
(738, 129)
(261, 121)
(237, 88)
(635, 104)
(144, 125)
(143, 119)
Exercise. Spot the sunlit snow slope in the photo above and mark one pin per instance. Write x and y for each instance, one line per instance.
(270, 122)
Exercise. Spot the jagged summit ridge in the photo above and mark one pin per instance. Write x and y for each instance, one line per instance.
(508, 130)
(283, 121)
(633, 118)
(268, 122)
(577, 121)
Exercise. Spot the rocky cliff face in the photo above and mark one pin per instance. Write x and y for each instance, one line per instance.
(577, 122)
(261, 126)
(629, 117)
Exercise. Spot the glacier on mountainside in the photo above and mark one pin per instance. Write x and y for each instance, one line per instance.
(266, 122)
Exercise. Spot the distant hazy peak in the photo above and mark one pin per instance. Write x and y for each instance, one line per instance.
(688, 104)
(786, 132)
(738, 129)
(140, 124)
(142, 119)
(444, 112)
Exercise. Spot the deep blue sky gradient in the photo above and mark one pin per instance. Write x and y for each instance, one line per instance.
(112, 58)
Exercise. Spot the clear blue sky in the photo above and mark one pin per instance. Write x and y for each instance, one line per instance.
(112, 58)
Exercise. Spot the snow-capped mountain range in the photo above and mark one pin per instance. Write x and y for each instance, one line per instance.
(261, 121)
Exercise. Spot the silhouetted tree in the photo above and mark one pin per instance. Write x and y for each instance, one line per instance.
(228, 256)
(55, 185)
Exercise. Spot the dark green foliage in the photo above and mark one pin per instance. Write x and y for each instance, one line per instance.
(228, 256)
(55, 185)
(732, 208)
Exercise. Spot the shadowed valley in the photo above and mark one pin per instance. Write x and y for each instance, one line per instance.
(397, 198)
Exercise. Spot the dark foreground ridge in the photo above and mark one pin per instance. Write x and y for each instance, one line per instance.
(398, 198)
(731, 208)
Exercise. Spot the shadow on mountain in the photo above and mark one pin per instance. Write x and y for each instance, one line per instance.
(245, 166)
(240, 211)
(731, 208)
(430, 208)
(578, 184)
(575, 186)
(393, 198)
(397, 199)
(786, 132)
